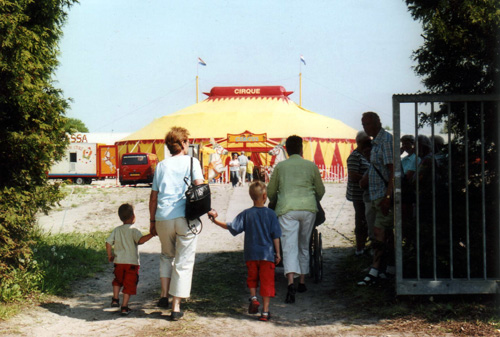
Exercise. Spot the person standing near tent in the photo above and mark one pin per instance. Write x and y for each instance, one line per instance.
(234, 169)
(167, 209)
(380, 186)
(243, 167)
(357, 165)
(294, 188)
(250, 166)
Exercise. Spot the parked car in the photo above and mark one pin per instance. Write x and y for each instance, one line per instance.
(137, 168)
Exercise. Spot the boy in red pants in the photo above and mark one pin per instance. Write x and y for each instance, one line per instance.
(262, 239)
(125, 240)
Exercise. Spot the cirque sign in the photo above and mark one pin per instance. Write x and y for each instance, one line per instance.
(247, 137)
(252, 91)
(247, 91)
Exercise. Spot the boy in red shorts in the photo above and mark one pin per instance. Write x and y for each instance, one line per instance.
(125, 241)
(261, 249)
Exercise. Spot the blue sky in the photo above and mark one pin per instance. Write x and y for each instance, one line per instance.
(126, 62)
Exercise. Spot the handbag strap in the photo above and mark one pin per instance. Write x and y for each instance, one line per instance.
(190, 173)
(381, 176)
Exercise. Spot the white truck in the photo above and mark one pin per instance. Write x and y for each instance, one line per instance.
(84, 162)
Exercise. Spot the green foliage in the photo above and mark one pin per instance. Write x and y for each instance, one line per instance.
(461, 51)
(461, 55)
(55, 262)
(31, 131)
(65, 258)
(75, 125)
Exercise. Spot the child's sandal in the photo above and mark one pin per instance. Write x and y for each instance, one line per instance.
(115, 302)
(265, 316)
(125, 311)
(253, 308)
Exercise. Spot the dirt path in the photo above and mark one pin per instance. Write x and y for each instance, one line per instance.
(86, 312)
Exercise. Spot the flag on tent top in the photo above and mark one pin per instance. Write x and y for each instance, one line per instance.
(200, 61)
(303, 59)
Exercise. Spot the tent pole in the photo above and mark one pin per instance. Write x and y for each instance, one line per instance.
(300, 89)
(196, 88)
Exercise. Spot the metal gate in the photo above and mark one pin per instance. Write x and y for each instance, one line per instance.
(448, 241)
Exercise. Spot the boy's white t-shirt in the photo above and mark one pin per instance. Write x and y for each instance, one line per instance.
(125, 242)
(169, 182)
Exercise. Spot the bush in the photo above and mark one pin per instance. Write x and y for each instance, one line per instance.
(18, 274)
(32, 131)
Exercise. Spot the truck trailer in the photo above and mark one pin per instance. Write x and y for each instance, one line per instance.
(84, 162)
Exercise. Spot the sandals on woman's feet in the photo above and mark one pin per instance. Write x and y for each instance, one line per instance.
(176, 315)
(115, 302)
(302, 288)
(290, 295)
(265, 316)
(125, 311)
(162, 302)
(368, 280)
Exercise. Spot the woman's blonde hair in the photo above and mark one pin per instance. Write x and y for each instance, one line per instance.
(174, 139)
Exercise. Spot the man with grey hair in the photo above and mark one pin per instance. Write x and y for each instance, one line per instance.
(380, 184)
(357, 165)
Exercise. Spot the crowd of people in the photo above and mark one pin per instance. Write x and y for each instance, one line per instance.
(240, 169)
(285, 225)
(370, 188)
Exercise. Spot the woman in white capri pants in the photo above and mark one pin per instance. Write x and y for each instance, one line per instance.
(167, 205)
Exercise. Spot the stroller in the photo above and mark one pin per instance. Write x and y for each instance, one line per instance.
(316, 248)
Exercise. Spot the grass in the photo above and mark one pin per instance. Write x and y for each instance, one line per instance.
(67, 257)
(220, 277)
(62, 260)
(217, 284)
(462, 314)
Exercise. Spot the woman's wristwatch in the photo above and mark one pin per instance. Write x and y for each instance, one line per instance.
(152, 220)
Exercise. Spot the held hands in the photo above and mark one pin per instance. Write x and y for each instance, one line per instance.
(277, 259)
(152, 228)
(212, 214)
(111, 258)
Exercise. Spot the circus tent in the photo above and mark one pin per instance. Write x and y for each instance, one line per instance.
(252, 119)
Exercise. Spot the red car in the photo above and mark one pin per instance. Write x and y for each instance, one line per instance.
(138, 168)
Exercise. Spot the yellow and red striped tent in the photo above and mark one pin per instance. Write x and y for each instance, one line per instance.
(251, 119)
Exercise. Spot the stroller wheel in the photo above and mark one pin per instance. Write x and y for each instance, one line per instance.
(316, 257)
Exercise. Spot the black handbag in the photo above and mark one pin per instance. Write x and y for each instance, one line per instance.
(320, 215)
(197, 198)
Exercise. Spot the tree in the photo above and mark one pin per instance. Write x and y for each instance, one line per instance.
(461, 50)
(32, 131)
(75, 125)
(461, 55)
